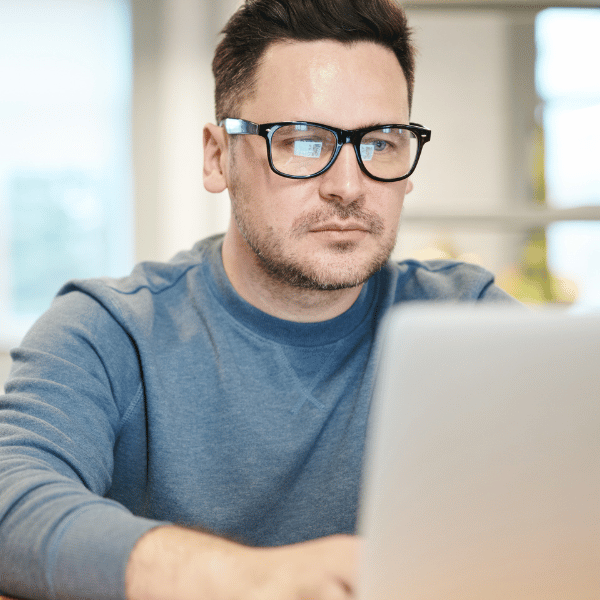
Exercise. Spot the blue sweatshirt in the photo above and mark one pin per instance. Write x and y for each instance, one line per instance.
(165, 397)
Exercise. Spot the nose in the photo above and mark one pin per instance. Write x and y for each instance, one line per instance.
(344, 181)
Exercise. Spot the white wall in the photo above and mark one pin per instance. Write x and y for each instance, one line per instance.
(174, 42)
(464, 93)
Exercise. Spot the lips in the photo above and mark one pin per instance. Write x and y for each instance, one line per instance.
(339, 227)
(351, 218)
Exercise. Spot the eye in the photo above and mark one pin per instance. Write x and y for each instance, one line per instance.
(373, 147)
(290, 137)
(379, 145)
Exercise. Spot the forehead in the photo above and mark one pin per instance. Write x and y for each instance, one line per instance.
(344, 85)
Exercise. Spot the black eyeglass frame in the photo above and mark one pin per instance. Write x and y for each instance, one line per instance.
(342, 136)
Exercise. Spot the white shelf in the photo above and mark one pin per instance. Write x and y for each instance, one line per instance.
(506, 219)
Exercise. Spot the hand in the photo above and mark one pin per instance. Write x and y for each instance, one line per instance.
(173, 563)
(322, 569)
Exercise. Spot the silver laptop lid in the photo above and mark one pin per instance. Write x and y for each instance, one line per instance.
(482, 475)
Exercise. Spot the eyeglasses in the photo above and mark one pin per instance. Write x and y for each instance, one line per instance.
(299, 149)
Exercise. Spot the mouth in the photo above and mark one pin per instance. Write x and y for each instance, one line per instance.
(339, 227)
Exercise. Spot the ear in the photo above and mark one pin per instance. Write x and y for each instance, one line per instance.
(215, 158)
(409, 186)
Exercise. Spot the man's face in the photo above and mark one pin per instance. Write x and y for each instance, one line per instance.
(335, 230)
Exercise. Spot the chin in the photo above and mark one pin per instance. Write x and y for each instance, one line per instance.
(326, 275)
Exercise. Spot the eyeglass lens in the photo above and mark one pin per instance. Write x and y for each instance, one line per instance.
(302, 150)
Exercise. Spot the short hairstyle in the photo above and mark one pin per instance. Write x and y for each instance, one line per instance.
(259, 23)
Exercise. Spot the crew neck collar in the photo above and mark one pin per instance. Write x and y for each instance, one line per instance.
(280, 330)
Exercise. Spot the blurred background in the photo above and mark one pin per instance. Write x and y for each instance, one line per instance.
(102, 104)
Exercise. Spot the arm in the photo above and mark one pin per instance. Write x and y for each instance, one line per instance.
(173, 563)
(59, 535)
(76, 378)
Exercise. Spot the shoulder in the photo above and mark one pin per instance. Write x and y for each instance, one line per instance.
(153, 293)
(149, 282)
(444, 280)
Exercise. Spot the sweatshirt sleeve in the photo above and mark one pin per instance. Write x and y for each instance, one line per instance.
(73, 379)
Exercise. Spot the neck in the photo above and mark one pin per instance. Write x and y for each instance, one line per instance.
(258, 287)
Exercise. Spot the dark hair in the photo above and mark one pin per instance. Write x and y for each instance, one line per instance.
(260, 23)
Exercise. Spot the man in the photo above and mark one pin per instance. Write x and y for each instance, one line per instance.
(196, 430)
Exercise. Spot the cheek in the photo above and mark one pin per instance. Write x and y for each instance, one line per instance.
(389, 201)
(286, 201)
(248, 162)
(273, 203)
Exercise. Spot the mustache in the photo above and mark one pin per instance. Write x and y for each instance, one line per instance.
(371, 221)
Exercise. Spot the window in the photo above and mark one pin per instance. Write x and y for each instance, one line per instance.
(65, 182)
(568, 43)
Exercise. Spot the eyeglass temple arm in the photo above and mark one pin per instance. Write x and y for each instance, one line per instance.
(239, 126)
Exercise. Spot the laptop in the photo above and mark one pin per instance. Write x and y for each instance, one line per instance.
(482, 470)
